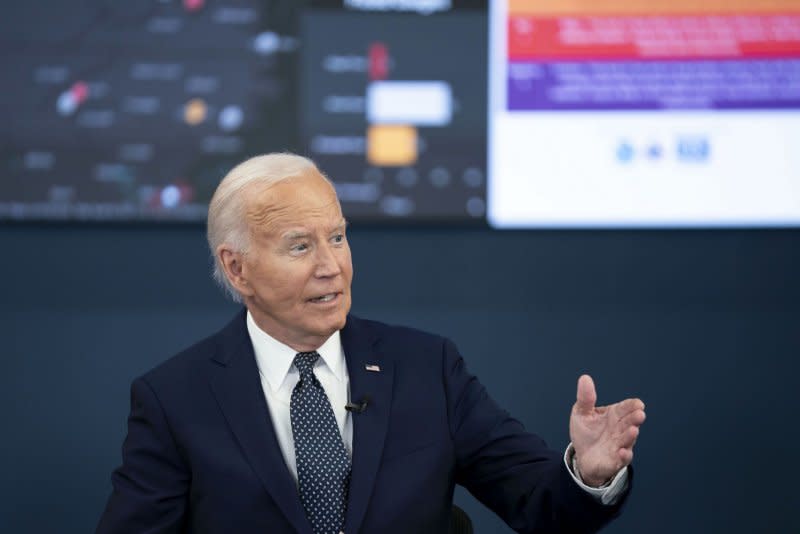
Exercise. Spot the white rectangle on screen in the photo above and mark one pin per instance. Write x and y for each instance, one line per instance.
(416, 103)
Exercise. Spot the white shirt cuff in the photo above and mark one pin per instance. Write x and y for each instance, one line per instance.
(608, 494)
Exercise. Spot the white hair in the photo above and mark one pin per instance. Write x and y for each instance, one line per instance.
(227, 223)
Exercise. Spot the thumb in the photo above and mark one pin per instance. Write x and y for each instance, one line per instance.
(587, 396)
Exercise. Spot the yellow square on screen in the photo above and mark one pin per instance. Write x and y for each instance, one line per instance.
(391, 145)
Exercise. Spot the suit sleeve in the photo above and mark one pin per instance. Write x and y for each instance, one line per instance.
(511, 471)
(150, 488)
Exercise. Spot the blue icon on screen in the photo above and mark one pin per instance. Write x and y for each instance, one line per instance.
(625, 152)
(654, 151)
(695, 149)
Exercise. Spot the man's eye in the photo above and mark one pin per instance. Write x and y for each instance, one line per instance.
(338, 238)
(300, 247)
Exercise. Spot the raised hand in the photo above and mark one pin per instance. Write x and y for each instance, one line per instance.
(603, 436)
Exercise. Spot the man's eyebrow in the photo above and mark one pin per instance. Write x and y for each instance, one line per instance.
(295, 234)
(300, 234)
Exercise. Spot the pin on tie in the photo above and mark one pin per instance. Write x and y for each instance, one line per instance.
(372, 367)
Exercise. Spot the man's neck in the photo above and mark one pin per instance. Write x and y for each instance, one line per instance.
(283, 335)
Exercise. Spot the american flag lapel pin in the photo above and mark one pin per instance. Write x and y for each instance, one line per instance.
(372, 367)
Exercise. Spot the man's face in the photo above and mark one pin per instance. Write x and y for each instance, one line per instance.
(297, 270)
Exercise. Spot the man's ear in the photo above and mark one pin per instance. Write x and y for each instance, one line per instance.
(233, 265)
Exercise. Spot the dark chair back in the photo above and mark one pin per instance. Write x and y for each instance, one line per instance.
(460, 523)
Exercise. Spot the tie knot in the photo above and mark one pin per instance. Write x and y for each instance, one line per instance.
(304, 361)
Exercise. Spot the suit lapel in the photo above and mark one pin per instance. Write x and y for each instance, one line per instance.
(237, 388)
(371, 376)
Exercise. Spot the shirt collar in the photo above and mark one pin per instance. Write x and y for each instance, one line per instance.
(274, 359)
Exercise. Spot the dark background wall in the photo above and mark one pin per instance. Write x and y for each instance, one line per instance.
(703, 325)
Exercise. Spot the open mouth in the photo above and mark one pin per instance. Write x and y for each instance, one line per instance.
(324, 298)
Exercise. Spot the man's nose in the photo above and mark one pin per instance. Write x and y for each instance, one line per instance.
(327, 262)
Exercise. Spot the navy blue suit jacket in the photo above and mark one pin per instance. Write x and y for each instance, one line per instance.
(201, 454)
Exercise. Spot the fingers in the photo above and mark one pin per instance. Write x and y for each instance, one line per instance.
(628, 426)
(634, 418)
(626, 455)
(629, 405)
(628, 437)
(587, 396)
(625, 452)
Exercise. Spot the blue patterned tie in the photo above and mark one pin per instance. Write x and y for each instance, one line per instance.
(323, 466)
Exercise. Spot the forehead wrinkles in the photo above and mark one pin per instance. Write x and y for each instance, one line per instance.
(269, 213)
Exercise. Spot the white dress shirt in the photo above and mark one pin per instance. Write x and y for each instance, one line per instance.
(279, 377)
(608, 494)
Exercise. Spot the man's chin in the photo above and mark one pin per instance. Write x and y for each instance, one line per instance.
(335, 318)
(329, 321)
(329, 324)
(338, 323)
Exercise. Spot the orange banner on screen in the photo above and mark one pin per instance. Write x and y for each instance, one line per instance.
(649, 7)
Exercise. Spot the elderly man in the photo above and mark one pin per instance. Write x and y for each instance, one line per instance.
(298, 417)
